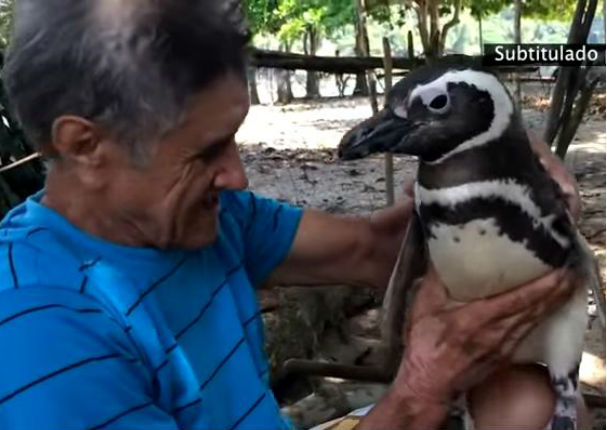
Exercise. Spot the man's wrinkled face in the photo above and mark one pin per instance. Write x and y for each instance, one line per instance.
(173, 200)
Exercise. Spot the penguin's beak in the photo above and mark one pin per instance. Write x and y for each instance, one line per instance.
(380, 133)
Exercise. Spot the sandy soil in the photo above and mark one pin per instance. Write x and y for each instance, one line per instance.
(289, 154)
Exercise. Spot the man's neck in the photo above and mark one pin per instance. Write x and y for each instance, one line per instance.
(88, 210)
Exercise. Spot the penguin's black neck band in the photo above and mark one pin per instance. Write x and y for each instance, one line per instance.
(508, 156)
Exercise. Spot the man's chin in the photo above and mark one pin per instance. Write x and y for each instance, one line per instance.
(202, 235)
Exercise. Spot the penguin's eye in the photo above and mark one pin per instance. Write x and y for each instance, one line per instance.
(439, 104)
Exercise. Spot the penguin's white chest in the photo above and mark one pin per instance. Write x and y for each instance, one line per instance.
(477, 260)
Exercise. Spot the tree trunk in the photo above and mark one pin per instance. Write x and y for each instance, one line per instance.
(518, 5)
(434, 38)
(361, 88)
(574, 85)
(284, 91)
(363, 41)
(555, 113)
(312, 85)
(570, 128)
(340, 80)
(252, 79)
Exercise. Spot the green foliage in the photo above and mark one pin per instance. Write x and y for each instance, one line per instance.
(554, 10)
(290, 19)
(499, 28)
(261, 15)
(559, 10)
(484, 8)
(6, 21)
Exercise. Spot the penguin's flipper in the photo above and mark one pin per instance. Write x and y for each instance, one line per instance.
(410, 265)
(565, 411)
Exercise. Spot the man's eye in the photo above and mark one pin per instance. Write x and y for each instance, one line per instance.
(209, 154)
(214, 150)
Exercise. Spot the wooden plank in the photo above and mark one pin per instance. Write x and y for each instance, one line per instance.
(291, 61)
(20, 162)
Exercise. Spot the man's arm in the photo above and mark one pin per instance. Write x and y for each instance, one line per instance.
(557, 170)
(341, 249)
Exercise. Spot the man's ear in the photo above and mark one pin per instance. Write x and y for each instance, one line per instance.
(77, 140)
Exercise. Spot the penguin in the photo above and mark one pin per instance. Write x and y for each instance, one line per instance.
(489, 216)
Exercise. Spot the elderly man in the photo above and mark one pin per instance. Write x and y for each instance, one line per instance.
(127, 295)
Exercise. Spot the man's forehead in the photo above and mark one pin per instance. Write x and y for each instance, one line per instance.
(224, 103)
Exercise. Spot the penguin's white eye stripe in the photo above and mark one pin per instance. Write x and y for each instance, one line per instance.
(434, 97)
(428, 92)
(432, 93)
(400, 111)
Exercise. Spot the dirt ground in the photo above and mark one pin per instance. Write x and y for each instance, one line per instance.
(289, 154)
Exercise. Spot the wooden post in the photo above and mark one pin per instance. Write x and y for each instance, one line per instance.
(389, 161)
(410, 50)
(518, 6)
(480, 34)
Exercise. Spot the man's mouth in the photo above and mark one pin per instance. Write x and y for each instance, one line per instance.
(211, 203)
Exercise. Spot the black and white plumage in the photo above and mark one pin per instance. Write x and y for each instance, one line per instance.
(492, 218)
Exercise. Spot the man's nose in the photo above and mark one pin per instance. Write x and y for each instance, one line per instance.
(231, 174)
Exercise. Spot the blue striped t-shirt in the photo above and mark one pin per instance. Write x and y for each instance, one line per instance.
(99, 335)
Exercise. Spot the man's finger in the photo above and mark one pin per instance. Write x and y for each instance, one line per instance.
(514, 338)
(409, 188)
(521, 298)
(506, 333)
(557, 296)
(480, 369)
(432, 294)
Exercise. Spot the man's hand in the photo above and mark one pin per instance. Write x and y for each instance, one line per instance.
(559, 173)
(388, 227)
(451, 346)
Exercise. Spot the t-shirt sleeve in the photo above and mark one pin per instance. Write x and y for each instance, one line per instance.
(268, 229)
(67, 364)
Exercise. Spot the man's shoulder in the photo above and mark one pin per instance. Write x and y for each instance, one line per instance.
(248, 218)
(247, 207)
(41, 275)
(43, 314)
(36, 256)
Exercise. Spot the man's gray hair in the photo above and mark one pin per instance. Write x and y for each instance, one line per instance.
(127, 65)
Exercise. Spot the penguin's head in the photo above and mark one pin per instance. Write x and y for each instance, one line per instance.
(434, 112)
